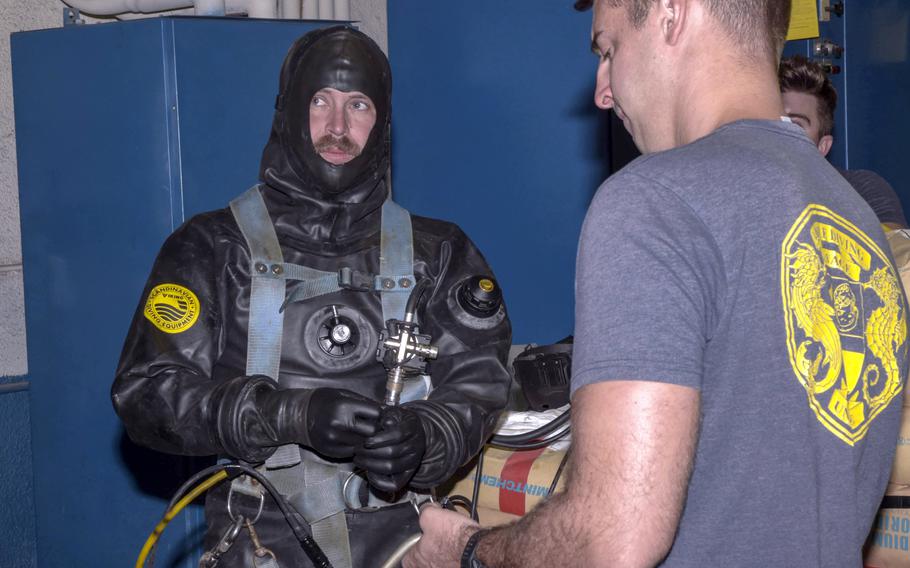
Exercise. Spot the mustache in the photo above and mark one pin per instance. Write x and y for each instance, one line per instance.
(342, 143)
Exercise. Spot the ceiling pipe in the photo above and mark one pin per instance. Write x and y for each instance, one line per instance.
(262, 9)
(209, 7)
(114, 7)
(310, 10)
(342, 10)
(326, 10)
(289, 9)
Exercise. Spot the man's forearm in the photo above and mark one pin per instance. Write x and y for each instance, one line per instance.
(548, 536)
(625, 487)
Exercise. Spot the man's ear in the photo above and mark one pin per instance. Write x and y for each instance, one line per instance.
(673, 16)
(824, 144)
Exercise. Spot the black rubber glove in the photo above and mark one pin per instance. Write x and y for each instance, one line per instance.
(338, 420)
(392, 456)
(254, 416)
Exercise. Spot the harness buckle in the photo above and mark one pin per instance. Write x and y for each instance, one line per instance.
(350, 279)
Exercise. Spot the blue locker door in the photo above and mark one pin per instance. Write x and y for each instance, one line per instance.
(495, 128)
(871, 120)
(123, 131)
(93, 160)
(877, 74)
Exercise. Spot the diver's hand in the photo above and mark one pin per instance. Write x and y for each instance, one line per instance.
(391, 456)
(339, 420)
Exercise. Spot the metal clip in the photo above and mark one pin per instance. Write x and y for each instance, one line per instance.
(211, 558)
(231, 513)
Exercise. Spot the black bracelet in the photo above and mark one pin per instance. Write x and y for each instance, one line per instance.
(469, 555)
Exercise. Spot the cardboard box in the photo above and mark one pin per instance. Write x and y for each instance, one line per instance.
(511, 483)
(889, 543)
(900, 471)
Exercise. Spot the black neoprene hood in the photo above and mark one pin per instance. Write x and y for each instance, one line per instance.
(340, 58)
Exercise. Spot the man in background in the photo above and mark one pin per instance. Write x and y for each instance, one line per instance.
(810, 100)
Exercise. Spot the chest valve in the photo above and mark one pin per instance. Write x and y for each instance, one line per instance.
(338, 336)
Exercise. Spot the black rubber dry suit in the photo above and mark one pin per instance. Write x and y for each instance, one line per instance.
(181, 385)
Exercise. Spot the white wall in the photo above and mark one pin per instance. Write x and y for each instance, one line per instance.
(19, 15)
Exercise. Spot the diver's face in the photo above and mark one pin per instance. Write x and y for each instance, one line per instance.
(340, 124)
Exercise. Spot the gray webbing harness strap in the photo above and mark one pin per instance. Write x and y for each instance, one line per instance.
(268, 286)
(314, 487)
(396, 258)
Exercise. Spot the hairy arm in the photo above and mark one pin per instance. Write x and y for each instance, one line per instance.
(632, 451)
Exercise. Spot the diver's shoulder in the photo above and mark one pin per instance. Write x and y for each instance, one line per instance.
(437, 228)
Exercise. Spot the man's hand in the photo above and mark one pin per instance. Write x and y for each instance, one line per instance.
(339, 420)
(393, 454)
(445, 534)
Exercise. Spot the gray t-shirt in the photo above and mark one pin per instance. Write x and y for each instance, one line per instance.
(744, 266)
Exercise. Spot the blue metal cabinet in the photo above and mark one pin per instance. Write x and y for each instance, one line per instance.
(124, 130)
(495, 128)
(877, 64)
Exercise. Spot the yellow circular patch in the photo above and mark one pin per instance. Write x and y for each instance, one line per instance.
(486, 285)
(171, 308)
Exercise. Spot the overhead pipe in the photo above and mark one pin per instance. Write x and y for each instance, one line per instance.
(342, 10)
(114, 7)
(209, 7)
(326, 10)
(262, 9)
(235, 7)
(310, 9)
(289, 9)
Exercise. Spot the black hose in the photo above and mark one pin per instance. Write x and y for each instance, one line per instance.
(532, 445)
(532, 435)
(310, 547)
(192, 482)
(414, 297)
(187, 485)
(451, 501)
(476, 494)
(562, 464)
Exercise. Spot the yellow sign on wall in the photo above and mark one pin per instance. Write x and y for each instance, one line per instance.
(803, 20)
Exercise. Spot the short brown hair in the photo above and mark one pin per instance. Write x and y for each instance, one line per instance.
(804, 76)
(744, 20)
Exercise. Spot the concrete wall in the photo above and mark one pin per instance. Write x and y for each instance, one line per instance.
(16, 15)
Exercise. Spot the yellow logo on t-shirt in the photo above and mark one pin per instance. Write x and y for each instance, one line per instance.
(846, 321)
(171, 308)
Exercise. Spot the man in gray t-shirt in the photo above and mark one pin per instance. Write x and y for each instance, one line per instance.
(740, 336)
(743, 266)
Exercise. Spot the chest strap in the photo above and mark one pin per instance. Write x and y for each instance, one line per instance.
(266, 322)
(312, 485)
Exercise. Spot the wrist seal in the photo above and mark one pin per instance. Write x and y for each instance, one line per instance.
(469, 555)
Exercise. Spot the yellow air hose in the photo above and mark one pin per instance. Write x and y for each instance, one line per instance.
(173, 511)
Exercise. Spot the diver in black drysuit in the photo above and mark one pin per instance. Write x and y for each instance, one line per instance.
(184, 390)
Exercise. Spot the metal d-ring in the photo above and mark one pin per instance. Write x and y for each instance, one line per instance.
(231, 513)
(344, 491)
